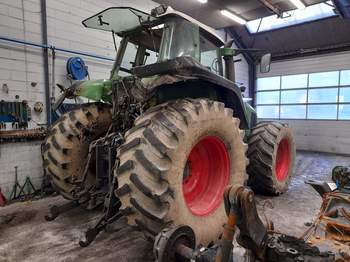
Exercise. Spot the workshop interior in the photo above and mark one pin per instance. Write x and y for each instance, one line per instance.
(184, 130)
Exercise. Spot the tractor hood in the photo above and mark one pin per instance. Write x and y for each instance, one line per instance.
(97, 90)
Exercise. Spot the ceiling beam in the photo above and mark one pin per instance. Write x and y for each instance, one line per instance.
(272, 7)
(311, 51)
(238, 41)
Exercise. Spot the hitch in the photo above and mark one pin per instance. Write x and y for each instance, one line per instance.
(178, 243)
(55, 211)
(242, 213)
(90, 199)
(111, 214)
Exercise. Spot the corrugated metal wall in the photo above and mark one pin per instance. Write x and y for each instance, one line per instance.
(322, 136)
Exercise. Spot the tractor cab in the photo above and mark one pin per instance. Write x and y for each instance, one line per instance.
(163, 35)
(166, 55)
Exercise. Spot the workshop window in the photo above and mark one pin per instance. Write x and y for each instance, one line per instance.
(268, 83)
(344, 95)
(268, 111)
(319, 96)
(268, 97)
(293, 97)
(344, 112)
(293, 111)
(345, 77)
(325, 95)
(294, 81)
(322, 111)
(324, 79)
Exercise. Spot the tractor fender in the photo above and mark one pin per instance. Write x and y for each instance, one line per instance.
(185, 77)
(201, 88)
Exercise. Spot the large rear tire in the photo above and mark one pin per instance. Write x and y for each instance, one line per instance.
(271, 156)
(176, 163)
(66, 147)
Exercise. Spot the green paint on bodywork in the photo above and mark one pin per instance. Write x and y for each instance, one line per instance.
(97, 90)
(249, 111)
(227, 51)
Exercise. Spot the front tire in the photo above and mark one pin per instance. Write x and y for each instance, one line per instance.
(176, 163)
(271, 156)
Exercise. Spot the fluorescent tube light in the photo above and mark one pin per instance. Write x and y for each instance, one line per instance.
(233, 17)
(203, 1)
(298, 4)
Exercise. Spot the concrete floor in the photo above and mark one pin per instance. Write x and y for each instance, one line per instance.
(26, 236)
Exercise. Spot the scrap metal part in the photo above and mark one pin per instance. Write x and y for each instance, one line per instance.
(288, 248)
(20, 135)
(341, 176)
(331, 229)
(178, 243)
(261, 240)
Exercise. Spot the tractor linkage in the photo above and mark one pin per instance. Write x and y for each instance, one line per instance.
(260, 242)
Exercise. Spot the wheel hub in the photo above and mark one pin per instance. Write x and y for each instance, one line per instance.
(283, 160)
(206, 175)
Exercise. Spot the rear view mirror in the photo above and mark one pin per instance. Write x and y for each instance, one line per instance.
(265, 63)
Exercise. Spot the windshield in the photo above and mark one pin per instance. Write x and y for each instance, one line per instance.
(118, 19)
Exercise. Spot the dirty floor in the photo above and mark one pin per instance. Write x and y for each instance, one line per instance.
(26, 236)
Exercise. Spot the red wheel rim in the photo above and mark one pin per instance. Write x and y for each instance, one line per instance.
(206, 176)
(283, 160)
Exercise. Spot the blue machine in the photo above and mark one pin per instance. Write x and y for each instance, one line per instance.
(76, 68)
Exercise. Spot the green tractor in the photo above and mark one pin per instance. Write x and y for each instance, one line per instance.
(167, 135)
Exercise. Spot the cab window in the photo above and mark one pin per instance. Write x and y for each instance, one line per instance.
(209, 55)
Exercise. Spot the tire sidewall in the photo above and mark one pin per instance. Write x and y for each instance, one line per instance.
(284, 133)
(226, 129)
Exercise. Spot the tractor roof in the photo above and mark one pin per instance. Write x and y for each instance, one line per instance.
(122, 20)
